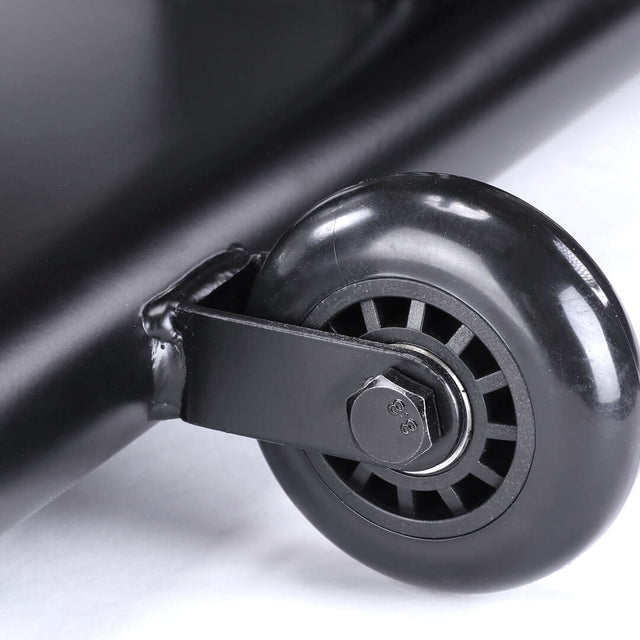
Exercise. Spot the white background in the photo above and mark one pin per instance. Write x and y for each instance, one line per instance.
(186, 533)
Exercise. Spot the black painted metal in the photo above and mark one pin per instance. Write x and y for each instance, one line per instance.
(281, 383)
(136, 144)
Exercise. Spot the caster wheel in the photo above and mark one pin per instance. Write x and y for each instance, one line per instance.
(543, 439)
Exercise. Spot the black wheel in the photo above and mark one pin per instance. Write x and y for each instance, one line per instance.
(538, 371)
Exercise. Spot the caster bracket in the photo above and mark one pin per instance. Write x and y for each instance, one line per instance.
(280, 383)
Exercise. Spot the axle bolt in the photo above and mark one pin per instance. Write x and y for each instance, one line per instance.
(393, 418)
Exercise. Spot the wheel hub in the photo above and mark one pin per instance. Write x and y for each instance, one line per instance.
(479, 462)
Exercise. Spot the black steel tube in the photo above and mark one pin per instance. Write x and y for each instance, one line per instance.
(74, 362)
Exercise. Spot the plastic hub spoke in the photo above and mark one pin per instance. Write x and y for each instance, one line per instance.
(406, 501)
(488, 475)
(460, 340)
(492, 382)
(370, 315)
(502, 431)
(452, 500)
(415, 319)
(360, 477)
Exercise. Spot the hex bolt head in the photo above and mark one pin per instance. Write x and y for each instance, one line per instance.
(388, 418)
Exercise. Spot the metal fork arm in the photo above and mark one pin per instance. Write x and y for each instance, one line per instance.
(277, 382)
